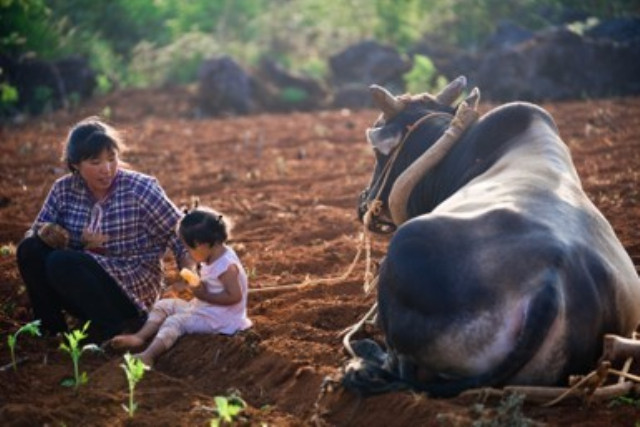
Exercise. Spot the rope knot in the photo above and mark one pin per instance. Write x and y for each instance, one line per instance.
(374, 209)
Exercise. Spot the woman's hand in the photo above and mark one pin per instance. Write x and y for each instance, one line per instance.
(54, 235)
(93, 240)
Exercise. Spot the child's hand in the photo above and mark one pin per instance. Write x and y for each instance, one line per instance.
(180, 287)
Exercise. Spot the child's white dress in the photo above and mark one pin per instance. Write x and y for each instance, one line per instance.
(179, 317)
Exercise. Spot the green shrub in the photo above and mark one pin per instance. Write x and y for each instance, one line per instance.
(43, 98)
(316, 68)
(177, 62)
(8, 98)
(293, 95)
(423, 76)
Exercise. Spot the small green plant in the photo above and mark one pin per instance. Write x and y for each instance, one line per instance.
(293, 95)
(507, 413)
(32, 328)
(252, 273)
(73, 100)
(104, 85)
(43, 98)
(624, 401)
(106, 112)
(8, 250)
(227, 409)
(134, 368)
(8, 96)
(74, 349)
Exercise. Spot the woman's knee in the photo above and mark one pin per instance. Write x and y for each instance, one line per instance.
(62, 265)
(31, 249)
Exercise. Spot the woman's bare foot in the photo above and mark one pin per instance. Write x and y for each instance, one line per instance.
(126, 341)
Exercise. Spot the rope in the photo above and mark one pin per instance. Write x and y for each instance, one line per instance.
(350, 331)
(320, 281)
(374, 209)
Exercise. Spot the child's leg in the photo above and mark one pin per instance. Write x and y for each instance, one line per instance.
(139, 338)
(155, 349)
(161, 311)
(172, 328)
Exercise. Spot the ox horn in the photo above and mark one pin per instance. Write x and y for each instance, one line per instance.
(385, 101)
(452, 91)
(465, 116)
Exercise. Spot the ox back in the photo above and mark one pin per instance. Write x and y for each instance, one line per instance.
(505, 272)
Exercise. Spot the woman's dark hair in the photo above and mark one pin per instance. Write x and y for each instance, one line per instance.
(87, 139)
(203, 225)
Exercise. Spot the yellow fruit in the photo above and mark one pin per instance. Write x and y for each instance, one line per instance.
(190, 277)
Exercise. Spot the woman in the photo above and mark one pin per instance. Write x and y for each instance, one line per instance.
(95, 250)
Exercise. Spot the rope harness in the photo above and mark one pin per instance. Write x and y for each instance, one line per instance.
(374, 207)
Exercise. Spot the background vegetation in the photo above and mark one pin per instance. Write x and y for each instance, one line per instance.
(151, 42)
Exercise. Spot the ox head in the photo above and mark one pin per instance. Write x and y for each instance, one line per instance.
(400, 160)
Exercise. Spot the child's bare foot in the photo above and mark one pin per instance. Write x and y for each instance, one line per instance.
(126, 341)
(145, 358)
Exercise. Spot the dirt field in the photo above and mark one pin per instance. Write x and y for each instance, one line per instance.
(290, 183)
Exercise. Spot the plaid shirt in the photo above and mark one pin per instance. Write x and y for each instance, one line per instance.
(138, 219)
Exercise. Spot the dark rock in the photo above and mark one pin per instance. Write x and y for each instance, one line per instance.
(77, 76)
(369, 62)
(223, 87)
(352, 96)
(45, 85)
(508, 34)
(619, 30)
(559, 64)
(283, 91)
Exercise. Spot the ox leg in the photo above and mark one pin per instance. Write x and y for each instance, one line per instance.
(401, 366)
(407, 369)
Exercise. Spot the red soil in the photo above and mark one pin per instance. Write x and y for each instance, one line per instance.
(290, 183)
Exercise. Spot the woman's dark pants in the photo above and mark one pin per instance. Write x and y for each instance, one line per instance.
(62, 280)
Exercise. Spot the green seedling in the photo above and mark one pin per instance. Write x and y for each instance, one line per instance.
(74, 349)
(624, 401)
(227, 408)
(32, 328)
(134, 368)
(8, 250)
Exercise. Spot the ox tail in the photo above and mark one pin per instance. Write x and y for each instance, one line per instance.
(368, 373)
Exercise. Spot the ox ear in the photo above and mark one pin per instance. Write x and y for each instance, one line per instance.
(452, 91)
(385, 101)
(385, 138)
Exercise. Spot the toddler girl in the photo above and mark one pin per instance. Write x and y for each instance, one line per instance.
(220, 294)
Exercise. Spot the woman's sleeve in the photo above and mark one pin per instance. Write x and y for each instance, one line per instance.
(50, 211)
(161, 217)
